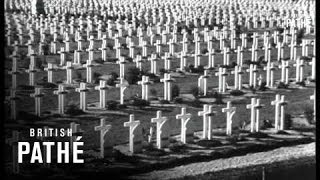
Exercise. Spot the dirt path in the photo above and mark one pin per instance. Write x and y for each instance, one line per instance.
(232, 168)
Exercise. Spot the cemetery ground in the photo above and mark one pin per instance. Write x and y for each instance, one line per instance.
(301, 130)
(297, 162)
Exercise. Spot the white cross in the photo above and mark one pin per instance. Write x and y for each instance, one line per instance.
(299, 69)
(83, 100)
(50, 70)
(102, 89)
(138, 60)
(37, 95)
(203, 82)
(183, 60)
(12, 99)
(257, 106)
(210, 113)
(237, 77)
(279, 102)
(211, 58)
(252, 75)
(61, 95)
(222, 79)
(89, 66)
(167, 86)
(230, 112)
(103, 128)
(313, 97)
(184, 120)
(145, 88)
(132, 124)
(313, 66)
(62, 53)
(153, 59)
(32, 71)
(253, 113)
(122, 62)
(167, 61)
(69, 69)
(284, 71)
(282, 103)
(205, 119)
(123, 86)
(160, 120)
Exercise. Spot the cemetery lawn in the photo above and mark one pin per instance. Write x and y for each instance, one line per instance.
(298, 98)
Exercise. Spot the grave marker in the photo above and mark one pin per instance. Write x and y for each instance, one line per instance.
(203, 113)
(279, 104)
(50, 70)
(167, 81)
(135, 134)
(103, 128)
(284, 71)
(69, 69)
(183, 60)
(13, 105)
(203, 83)
(83, 95)
(210, 113)
(255, 113)
(313, 97)
(145, 87)
(122, 63)
(37, 95)
(186, 133)
(230, 112)
(102, 91)
(313, 68)
(237, 77)
(299, 70)
(222, 79)
(61, 92)
(163, 130)
(123, 86)
(89, 66)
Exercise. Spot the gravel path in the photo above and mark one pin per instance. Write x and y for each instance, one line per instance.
(282, 157)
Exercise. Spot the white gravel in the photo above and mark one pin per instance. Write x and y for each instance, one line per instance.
(247, 161)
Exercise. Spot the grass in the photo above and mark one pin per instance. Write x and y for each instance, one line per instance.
(297, 97)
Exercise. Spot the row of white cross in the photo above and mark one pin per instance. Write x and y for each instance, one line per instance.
(167, 61)
(185, 12)
(167, 80)
(186, 136)
(220, 35)
(158, 15)
(221, 73)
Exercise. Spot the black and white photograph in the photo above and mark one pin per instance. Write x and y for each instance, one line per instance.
(159, 89)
